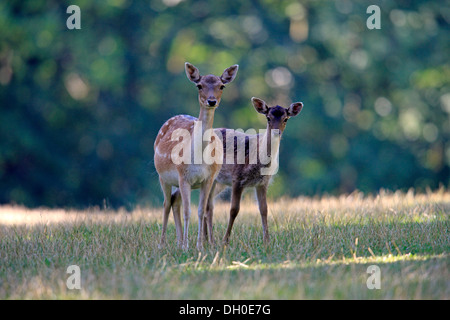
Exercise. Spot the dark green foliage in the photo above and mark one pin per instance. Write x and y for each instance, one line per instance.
(79, 109)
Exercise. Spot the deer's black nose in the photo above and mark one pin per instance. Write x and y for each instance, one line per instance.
(211, 103)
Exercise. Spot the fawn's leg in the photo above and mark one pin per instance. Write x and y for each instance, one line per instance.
(261, 194)
(236, 194)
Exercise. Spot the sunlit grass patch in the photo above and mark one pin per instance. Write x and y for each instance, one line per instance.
(319, 248)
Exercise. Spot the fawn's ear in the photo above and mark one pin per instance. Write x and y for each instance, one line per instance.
(294, 109)
(260, 105)
(229, 74)
(192, 72)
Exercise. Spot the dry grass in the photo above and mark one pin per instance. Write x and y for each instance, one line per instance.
(319, 248)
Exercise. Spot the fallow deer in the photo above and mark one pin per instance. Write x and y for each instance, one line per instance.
(191, 175)
(250, 174)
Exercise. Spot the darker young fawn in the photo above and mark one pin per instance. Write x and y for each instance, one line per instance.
(191, 175)
(248, 174)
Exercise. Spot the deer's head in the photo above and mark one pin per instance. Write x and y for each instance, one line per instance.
(210, 87)
(277, 116)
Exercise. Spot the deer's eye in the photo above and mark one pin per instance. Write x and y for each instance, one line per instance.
(222, 87)
(285, 120)
(199, 86)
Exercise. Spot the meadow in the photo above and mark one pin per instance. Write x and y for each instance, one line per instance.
(320, 248)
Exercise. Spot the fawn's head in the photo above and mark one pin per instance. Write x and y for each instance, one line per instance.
(277, 116)
(210, 87)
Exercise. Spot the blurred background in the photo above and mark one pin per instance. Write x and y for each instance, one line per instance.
(80, 109)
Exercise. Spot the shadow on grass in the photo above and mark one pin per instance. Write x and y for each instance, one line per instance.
(401, 277)
(309, 242)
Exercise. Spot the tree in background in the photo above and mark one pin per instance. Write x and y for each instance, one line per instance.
(80, 108)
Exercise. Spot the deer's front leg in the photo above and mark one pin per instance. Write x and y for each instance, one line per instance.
(185, 190)
(205, 190)
(208, 217)
(261, 194)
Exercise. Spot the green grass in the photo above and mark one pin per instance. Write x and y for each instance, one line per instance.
(320, 248)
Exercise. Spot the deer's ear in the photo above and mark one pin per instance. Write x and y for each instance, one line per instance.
(260, 105)
(192, 72)
(294, 109)
(229, 74)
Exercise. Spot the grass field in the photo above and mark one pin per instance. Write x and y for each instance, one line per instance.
(320, 248)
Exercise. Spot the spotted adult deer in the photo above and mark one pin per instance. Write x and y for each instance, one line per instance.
(190, 175)
(252, 172)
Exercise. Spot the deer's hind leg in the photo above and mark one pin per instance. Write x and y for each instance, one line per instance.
(166, 188)
(176, 209)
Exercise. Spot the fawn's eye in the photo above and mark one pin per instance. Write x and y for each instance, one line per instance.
(222, 87)
(199, 86)
(285, 120)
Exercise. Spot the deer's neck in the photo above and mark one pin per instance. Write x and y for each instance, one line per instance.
(273, 139)
(269, 157)
(201, 140)
(206, 117)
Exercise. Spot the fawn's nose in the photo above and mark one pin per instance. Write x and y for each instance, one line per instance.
(211, 103)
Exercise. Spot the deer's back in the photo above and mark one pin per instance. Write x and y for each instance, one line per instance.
(247, 173)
